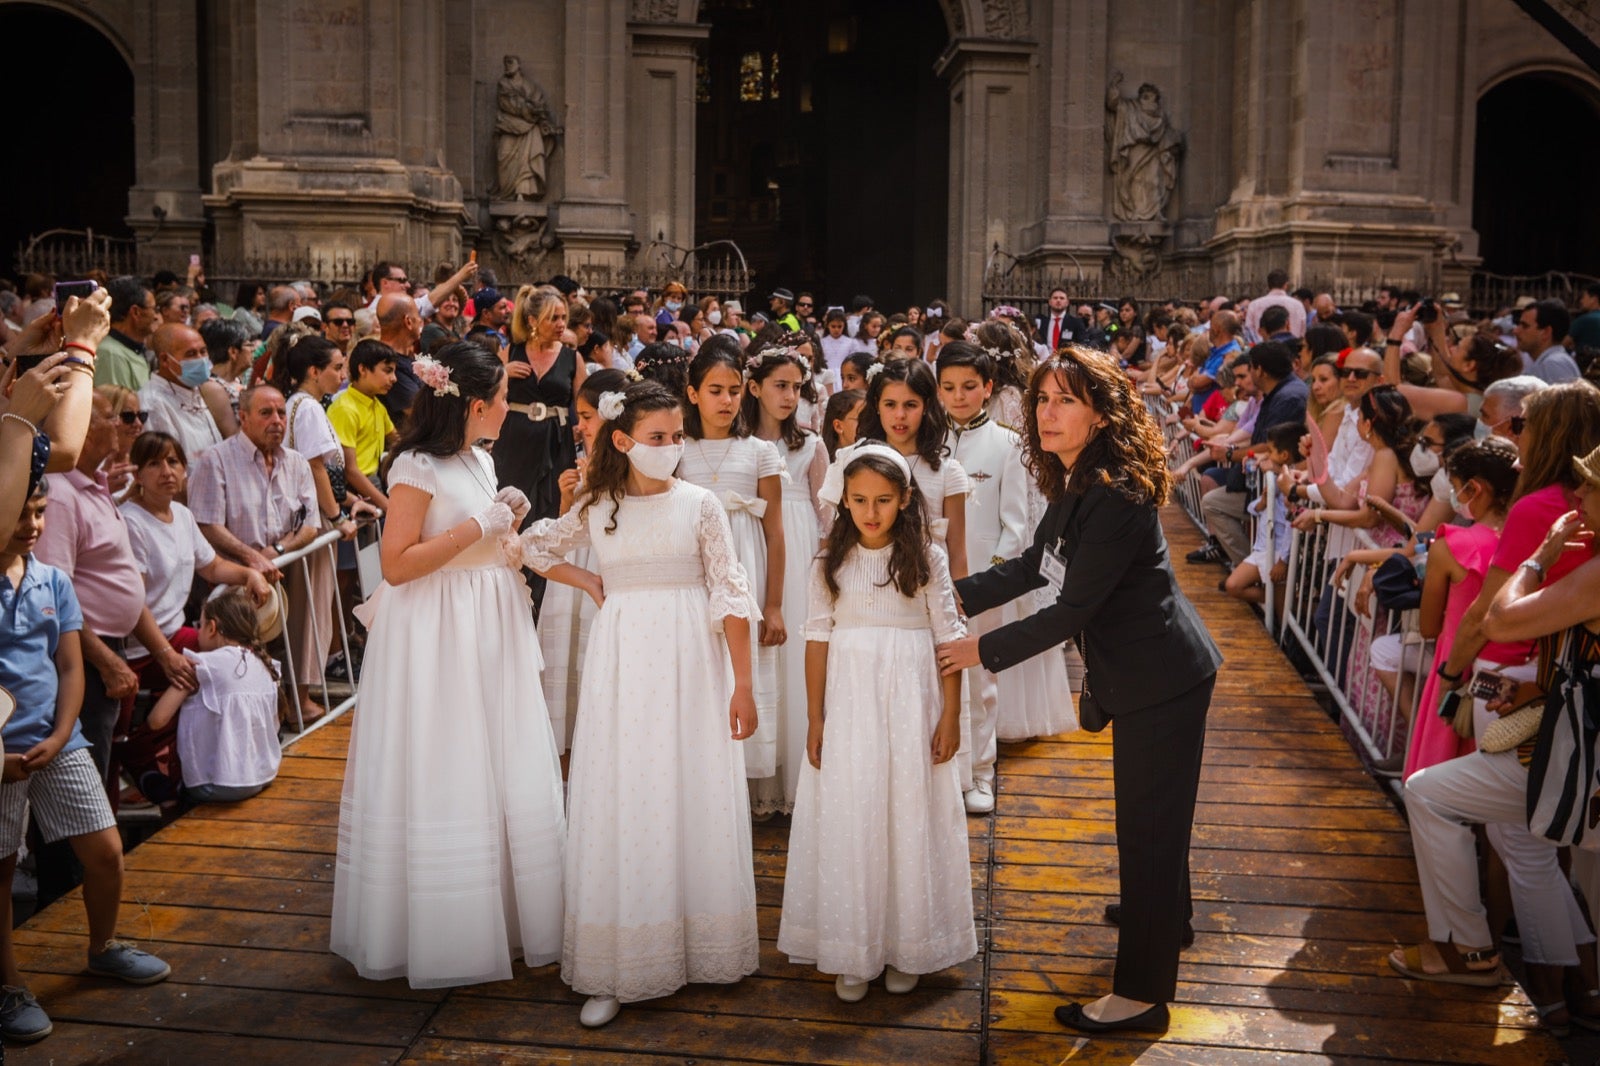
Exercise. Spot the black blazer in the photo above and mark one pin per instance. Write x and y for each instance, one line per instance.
(1142, 640)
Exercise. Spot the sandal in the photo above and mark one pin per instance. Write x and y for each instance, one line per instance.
(1559, 1030)
(1408, 963)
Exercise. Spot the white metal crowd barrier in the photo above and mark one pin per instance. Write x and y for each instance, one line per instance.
(1373, 663)
(295, 567)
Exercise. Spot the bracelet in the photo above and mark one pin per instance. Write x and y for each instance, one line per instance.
(451, 533)
(33, 429)
(1534, 565)
(81, 347)
(1445, 675)
(1394, 341)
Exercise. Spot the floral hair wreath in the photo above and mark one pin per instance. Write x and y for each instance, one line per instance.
(794, 353)
(435, 375)
(611, 405)
(1006, 311)
(632, 373)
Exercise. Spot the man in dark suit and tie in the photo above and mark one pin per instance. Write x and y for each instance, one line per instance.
(1058, 325)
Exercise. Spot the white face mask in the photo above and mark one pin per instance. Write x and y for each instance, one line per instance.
(714, 317)
(1460, 508)
(656, 461)
(1439, 484)
(1424, 463)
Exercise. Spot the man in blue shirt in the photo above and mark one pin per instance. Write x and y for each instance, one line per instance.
(1224, 345)
(48, 768)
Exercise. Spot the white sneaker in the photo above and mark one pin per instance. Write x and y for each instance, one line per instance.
(979, 798)
(897, 982)
(850, 991)
(599, 1010)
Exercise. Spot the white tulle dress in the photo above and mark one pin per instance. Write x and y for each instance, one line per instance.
(451, 830)
(878, 867)
(731, 469)
(807, 466)
(660, 883)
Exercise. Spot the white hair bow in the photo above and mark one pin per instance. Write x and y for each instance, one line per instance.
(832, 490)
(611, 405)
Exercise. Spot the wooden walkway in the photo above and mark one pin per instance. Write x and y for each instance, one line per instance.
(1303, 881)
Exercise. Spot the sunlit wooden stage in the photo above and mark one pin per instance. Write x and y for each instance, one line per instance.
(1303, 882)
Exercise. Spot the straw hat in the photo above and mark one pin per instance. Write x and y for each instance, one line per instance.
(1588, 467)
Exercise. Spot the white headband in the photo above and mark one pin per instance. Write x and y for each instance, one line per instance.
(832, 490)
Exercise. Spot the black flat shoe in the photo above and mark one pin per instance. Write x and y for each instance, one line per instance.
(1154, 1020)
(1114, 916)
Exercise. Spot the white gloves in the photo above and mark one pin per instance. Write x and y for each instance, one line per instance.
(494, 519)
(518, 501)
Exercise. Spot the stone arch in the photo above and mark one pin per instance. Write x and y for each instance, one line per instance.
(112, 20)
(1002, 19)
(1574, 75)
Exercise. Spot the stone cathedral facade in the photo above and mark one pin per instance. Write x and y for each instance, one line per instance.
(1331, 137)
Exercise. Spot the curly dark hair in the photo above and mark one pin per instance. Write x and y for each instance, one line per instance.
(1127, 454)
(917, 376)
(909, 568)
(607, 473)
(666, 363)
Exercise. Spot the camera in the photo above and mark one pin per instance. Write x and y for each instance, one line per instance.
(1427, 312)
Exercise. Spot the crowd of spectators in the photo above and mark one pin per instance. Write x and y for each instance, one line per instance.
(186, 445)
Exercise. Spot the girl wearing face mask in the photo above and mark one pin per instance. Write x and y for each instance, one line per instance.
(1482, 476)
(711, 319)
(660, 885)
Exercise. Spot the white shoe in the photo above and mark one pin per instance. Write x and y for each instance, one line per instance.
(897, 982)
(599, 1010)
(848, 990)
(979, 798)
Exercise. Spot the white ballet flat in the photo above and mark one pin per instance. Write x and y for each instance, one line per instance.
(848, 990)
(897, 982)
(599, 1010)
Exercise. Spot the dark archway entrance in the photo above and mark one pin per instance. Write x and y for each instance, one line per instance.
(822, 145)
(72, 159)
(1538, 151)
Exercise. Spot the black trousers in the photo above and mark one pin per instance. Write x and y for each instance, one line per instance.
(1156, 753)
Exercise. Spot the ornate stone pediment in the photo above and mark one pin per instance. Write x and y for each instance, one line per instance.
(653, 11)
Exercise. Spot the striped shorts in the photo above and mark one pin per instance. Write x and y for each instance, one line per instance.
(67, 797)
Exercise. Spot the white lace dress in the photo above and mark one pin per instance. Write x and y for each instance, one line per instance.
(878, 868)
(450, 825)
(802, 519)
(659, 873)
(732, 469)
(564, 619)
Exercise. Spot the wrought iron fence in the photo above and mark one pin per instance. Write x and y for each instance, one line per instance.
(68, 253)
(1491, 292)
(726, 276)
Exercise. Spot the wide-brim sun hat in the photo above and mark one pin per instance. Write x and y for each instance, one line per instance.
(1588, 467)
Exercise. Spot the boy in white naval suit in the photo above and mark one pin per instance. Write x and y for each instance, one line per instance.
(997, 529)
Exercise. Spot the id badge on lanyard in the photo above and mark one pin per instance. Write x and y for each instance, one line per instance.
(1053, 568)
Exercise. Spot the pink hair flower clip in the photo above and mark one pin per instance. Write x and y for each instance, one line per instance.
(435, 375)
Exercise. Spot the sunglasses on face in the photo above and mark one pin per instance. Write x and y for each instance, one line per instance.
(1517, 422)
(341, 321)
(128, 418)
(1357, 373)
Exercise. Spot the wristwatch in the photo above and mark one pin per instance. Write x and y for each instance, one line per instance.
(1536, 566)
(1445, 675)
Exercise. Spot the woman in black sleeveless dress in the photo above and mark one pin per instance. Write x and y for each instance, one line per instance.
(536, 444)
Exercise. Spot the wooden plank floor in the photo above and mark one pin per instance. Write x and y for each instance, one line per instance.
(1303, 881)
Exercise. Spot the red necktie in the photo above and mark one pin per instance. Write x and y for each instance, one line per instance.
(1055, 335)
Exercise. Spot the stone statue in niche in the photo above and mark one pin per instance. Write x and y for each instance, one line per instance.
(525, 134)
(522, 241)
(1143, 151)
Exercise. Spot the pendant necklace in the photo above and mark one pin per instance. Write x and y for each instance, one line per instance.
(716, 471)
(477, 472)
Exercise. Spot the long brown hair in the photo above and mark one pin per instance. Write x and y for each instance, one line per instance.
(1562, 421)
(1127, 454)
(607, 472)
(235, 615)
(909, 568)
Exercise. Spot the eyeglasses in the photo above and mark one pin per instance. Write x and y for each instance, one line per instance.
(1357, 373)
(341, 321)
(401, 280)
(130, 417)
(1431, 445)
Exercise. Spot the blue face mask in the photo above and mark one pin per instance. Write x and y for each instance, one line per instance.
(196, 372)
(674, 305)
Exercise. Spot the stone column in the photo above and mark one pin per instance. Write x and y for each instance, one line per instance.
(989, 109)
(661, 87)
(347, 113)
(1362, 186)
(592, 221)
(164, 205)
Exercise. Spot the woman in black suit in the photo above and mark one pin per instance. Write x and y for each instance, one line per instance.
(1098, 457)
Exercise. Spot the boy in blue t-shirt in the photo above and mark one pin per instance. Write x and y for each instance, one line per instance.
(49, 771)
